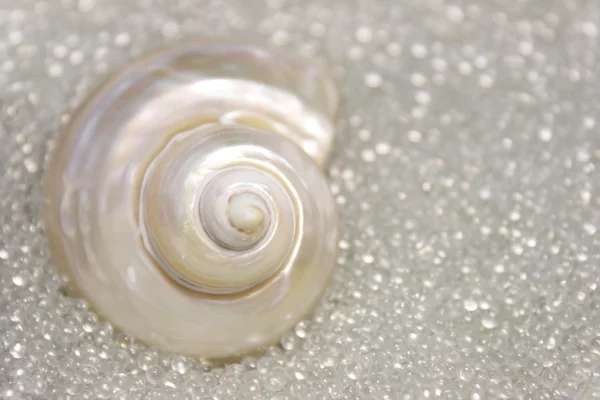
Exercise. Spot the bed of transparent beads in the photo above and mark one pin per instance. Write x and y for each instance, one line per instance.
(465, 173)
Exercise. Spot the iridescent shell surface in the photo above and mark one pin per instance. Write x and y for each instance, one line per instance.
(186, 202)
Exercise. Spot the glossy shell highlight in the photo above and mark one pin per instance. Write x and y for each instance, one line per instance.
(185, 200)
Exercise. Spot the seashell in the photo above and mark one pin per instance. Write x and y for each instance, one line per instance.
(186, 202)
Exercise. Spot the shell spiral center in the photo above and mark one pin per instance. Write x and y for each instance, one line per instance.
(213, 222)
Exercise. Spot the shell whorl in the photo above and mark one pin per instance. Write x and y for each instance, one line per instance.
(186, 201)
(195, 185)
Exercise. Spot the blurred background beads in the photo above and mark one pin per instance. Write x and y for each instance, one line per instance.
(465, 170)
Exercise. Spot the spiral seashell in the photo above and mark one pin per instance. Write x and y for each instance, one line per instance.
(185, 199)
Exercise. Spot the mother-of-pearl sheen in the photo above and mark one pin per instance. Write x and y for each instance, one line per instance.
(185, 199)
